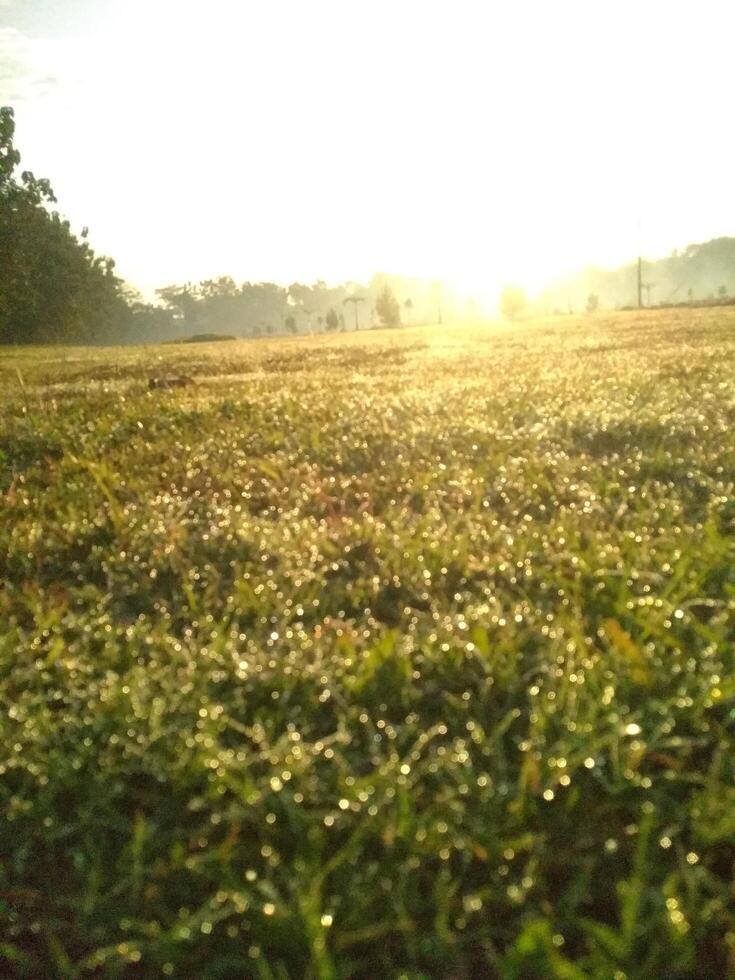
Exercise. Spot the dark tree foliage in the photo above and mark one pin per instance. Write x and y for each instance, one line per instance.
(53, 288)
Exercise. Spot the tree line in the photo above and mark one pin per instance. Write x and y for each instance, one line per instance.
(256, 309)
(698, 274)
(55, 289)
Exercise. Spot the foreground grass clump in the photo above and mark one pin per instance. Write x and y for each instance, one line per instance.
(400, 655)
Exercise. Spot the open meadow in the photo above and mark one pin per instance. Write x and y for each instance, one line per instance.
(401, 653)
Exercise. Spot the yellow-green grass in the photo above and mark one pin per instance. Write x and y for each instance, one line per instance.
(400, 653)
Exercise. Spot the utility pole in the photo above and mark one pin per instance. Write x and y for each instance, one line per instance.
(354, 300)
(640, 262)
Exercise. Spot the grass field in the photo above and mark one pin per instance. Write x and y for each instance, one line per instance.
(402, 654)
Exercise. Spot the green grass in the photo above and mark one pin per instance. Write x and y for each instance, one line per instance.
(407, 654)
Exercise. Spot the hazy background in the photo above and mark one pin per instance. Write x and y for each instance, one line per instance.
(291, 141)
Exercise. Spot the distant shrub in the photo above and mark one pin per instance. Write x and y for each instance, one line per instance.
(387, 308)
(206, 338)
(512, 301)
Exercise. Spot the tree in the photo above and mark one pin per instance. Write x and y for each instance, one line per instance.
(53, 288)
(222, 287)
(408, 307)
(593, 303)
(184, 303)
(512, 301)
(722, 292)
(290, 324)
(331, 320)
(387, 308)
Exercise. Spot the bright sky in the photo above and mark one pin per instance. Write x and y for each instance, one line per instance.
(299, 139)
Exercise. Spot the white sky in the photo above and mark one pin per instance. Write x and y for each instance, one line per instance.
(301, 139)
